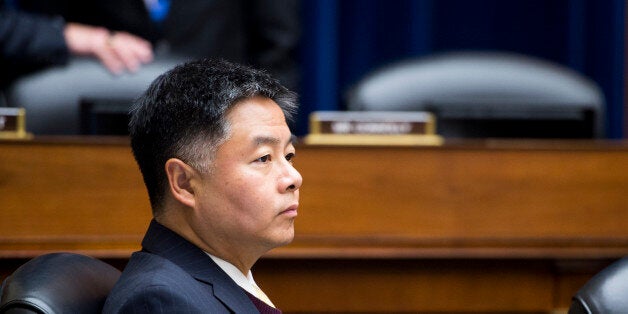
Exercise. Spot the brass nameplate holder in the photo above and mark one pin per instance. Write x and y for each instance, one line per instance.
(372, 128)
(13, 123)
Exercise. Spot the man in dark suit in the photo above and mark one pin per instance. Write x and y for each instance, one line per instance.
(262, 33)
(30, 42)
(215, 152)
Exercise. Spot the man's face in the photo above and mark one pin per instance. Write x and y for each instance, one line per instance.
(249, 200)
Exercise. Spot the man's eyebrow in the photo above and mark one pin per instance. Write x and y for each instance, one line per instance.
(271, 140)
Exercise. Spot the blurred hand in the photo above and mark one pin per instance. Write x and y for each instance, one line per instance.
(118, 51)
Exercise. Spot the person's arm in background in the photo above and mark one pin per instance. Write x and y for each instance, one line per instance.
(117, 51)
(32, 40)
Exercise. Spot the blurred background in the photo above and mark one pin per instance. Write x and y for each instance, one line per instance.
(342, 41)
(544, 62)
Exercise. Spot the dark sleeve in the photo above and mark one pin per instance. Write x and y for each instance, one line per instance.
(31, 40)
(276, 30)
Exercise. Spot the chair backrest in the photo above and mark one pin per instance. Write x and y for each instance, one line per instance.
(472, 86)
(606, 292)
(58, 283)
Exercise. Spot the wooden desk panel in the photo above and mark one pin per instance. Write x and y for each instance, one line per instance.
(546, 201)
(471, 193)
(70, 195)
(485, 226)
(408, 286)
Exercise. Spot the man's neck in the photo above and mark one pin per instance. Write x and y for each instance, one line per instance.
(181, 226)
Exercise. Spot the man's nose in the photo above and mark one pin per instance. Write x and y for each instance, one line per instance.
(291, 179)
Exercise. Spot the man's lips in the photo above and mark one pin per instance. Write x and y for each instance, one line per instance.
(290, 211)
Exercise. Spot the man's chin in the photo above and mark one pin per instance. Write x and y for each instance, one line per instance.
(283, 239)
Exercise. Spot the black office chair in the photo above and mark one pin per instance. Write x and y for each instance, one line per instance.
(58, 283)
(487, 94)
(606, 292)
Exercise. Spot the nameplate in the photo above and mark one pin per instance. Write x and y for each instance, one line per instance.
(12, 123)
(371, 122)
(372, 128)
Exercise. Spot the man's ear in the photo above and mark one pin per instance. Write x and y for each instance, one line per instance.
(180, 176)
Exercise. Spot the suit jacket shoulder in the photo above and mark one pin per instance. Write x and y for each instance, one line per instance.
(172, 275)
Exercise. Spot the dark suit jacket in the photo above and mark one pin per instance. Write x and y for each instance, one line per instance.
(28, 42)
(171, 275)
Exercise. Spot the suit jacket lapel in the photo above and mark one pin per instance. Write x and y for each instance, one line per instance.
(169, 245)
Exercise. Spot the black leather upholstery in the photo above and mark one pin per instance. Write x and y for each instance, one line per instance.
(606, 292)
(58, 283)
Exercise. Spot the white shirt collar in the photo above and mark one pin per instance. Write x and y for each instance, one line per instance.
(245, 282)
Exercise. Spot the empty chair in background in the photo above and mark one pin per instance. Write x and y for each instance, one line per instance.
(487, 94)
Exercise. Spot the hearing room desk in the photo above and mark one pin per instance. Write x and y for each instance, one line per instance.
(485, 226)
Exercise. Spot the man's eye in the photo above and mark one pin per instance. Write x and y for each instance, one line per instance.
(264, 158)
(289, 157)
